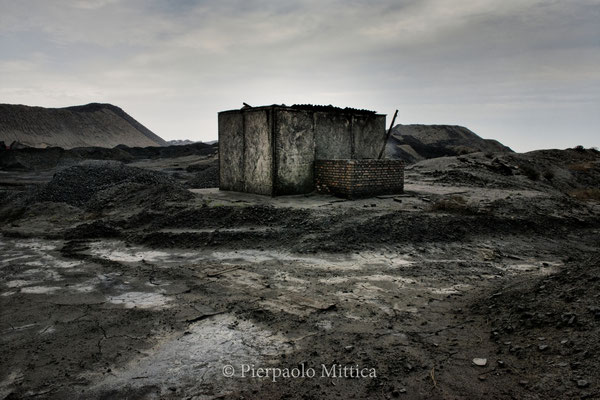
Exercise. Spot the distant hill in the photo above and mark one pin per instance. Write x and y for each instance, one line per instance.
(31, 159)
(95, 124)
(413, 143)
(184, 142)
(180, 142)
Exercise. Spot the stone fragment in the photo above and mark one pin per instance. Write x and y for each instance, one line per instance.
(480, 362)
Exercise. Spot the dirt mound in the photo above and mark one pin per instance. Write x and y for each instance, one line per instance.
(93, 230)
(564, 171)
(231, 217)
(206, 177)
(552, 324)
(40, 159)
(128, 195)
(329, 108)
(94, 124)
(413, 143)
(104, 184)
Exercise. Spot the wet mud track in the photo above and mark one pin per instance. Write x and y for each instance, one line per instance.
(153, 291)
(105, 318)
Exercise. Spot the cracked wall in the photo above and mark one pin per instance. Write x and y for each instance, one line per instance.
(271, 150)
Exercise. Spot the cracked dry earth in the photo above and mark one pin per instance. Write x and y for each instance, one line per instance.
(128, 317)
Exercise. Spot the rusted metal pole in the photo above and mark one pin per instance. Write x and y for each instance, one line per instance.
(389, 132)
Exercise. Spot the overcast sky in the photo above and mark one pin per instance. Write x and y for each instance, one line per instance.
(525, 72)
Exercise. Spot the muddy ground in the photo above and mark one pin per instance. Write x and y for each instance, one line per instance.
(119, 282)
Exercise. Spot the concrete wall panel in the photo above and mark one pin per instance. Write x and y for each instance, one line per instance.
(258, 152)
(231, 152)
(369, 135)
(333, 138)
(271, 150)
(294, 151)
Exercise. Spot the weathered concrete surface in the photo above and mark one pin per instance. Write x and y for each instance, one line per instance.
(231, 150)
(277, 146)
(369, 135)
(258, 158)
(294, 152)
(332, 136)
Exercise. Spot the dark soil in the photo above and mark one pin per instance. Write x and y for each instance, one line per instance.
(550, 324)
(107, 267)
(208, 177)
(33, 159)
(102, 184)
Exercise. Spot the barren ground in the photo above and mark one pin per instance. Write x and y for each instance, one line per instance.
(145, 289)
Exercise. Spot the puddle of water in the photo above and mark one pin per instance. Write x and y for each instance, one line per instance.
(262, 256)
(11, 259)
(408, 309)
(83, 288)
(140, 300)
(122, 256)
(454, 289)
(47, 274)
(195, 360)
(537, 268)
(335, 280)
(33, 244)
(34, 264)
(19, 283)
(325, 325)
(117, 251)
(57, 263)
(395, 280)
(400, 281)
(224, 230)
(40, 289)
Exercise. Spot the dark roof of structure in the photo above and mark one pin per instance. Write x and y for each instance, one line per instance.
(330, 108)
(306, 107)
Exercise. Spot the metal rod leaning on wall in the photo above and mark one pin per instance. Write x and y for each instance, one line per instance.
(387, 136)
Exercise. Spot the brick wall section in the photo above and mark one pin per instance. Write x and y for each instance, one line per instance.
(359, 178)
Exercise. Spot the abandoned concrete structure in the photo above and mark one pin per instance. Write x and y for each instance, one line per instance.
(272, 150)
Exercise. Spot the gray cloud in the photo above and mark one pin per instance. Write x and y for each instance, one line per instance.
(523, 72)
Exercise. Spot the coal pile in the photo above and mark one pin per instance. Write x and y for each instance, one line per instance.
(413, 143)
(329, 108)
(93, 230)
(34, 159)
(207, 176)
(97, 182)
(553, 321)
